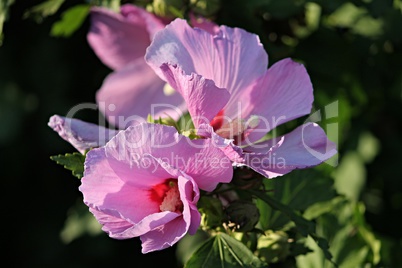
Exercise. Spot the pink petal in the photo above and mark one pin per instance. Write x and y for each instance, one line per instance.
(129, 95)
(195, 220)
(284, 93)
(190, 195)
(200, 159)
(204, 100)
(165, 236)
(206, 164)
(120, 186)
(110, 224)
(137, 15)
(80, 134)
(205, 24)
(304, 147)
(148, 224)
(118, 40)
(233, 58)
(232, 151)
(171, 232)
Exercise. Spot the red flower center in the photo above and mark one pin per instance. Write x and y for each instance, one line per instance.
(217, 122)
(167, 195)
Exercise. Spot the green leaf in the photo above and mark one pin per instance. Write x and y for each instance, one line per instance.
(274, 246)
(225, 252)
(294, 189)
(366, 234)
(73, 162)
(298, 248)
(185, 122)
(4, 6)
(352, 243)
(211, 211)
(43, 10)
(243, 214)
(189, 244)
(357, 19)
(323, 245)
(320, 208)
(350, 176)
(305, 227)
(71, 20)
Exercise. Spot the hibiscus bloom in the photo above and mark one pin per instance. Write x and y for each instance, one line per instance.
(120, 41)
(146, 182)
(127, 95)
(233, 98)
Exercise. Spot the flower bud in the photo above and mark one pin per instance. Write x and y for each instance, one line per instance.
(274, 246)
(242, 216)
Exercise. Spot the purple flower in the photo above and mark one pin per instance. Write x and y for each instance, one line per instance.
(235, 100)
(120, 41)
(145, 182)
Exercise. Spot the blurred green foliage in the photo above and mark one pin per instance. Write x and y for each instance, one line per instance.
(4, 6)
(353, 53)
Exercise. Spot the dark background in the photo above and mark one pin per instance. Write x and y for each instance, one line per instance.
(42, 75)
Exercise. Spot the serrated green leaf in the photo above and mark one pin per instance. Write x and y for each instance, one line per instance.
(70, 21)
(225, 252)
(73, 162)
(43, 10)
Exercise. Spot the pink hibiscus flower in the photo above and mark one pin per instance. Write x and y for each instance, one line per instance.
(145, 182)
(127, 95)
(233, 98)
(120, 41)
